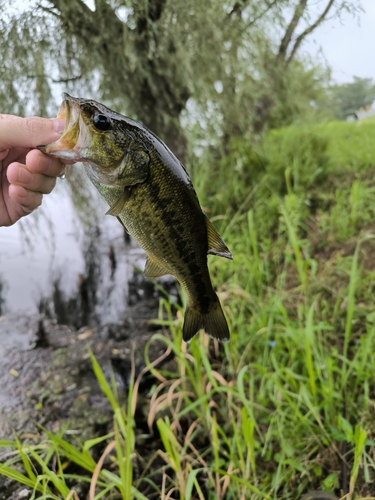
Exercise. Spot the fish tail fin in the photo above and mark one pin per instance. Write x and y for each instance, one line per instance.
(213, 322)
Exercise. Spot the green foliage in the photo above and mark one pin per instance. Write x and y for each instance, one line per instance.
(290, 161)
(53, 484)
(300, 154)
(348, 98)
(235, 65)
(351, 145)
(270, 414)
(301, 94)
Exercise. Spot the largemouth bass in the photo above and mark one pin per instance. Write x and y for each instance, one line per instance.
(151, 194)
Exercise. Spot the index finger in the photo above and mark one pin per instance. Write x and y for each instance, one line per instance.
(28, 132)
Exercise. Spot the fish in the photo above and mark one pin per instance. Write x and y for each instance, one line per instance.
(149, 191)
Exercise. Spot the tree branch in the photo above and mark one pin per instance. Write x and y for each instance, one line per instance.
(49, 11)
(238, 8)
(53, 80)
(263, 13)
(308, 30)
(79, 18)
(285, 42)
(66, 80)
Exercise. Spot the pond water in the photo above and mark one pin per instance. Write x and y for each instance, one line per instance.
(68, 249)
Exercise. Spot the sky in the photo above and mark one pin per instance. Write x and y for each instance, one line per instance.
(349, 46)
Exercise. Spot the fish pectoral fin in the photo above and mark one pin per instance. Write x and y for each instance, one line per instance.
(216, 245)
(154, 270)
(119, 205)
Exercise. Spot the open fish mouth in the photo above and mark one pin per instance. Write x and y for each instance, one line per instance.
(76, 136)
(83, 141)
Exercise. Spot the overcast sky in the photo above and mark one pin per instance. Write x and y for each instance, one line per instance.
(349, 47)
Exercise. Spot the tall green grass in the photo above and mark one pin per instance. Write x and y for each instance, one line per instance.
(288, 405)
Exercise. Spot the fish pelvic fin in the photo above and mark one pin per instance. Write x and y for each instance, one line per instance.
(213, 322)
(216, 245)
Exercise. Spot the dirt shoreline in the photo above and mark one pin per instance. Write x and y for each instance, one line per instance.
(46, 375)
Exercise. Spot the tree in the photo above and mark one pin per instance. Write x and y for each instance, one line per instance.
(126, 60)
(348, 98)
(149, 59)
(262, 81)
(305, 18)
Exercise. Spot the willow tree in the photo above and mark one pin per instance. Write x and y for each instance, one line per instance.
(149, 58)
(265, 81)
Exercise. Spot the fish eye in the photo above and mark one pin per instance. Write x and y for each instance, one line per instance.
(101, 122)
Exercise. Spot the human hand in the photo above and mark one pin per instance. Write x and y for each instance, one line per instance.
(25, 173)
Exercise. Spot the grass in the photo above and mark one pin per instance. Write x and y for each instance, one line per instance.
(288, 405)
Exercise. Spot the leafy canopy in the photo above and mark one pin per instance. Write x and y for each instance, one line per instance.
(236, 61)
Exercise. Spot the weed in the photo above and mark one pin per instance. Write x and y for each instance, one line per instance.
(288, 405)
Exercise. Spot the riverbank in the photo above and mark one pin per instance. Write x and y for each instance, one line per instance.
(46, 374)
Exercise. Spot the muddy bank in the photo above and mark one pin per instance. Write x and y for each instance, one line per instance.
(46, 374)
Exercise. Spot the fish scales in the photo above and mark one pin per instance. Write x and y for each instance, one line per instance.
(150, 192)
(169, 241)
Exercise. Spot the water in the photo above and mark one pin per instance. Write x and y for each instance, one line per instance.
(67, 260)
(77, 250)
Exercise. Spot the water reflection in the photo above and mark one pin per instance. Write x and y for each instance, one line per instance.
(2, 291)
(68, 260)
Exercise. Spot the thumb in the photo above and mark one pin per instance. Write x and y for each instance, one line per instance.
(28, 132)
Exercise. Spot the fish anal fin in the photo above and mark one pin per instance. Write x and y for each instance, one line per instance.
(154, 270)
(119, 205)
(216, 245)
(213, 323)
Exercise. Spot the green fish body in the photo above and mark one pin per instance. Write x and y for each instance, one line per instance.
(151, 194)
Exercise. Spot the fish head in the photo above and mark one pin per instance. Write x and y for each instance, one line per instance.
(94, 135)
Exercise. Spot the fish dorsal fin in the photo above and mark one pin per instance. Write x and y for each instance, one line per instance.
(216, 245)
(119, 205)
(153, 270)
